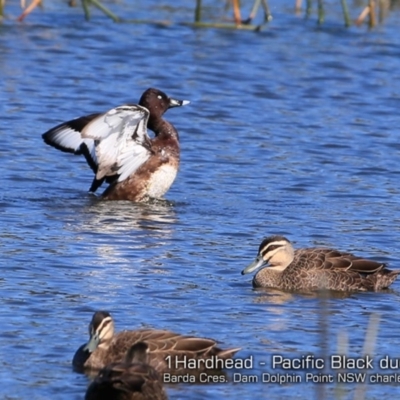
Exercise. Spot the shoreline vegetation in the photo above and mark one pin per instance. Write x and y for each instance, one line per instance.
(373, 12)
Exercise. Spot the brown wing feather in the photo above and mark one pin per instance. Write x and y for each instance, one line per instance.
(338, 263)
(311, 258)
(193, 344)
(367, 266)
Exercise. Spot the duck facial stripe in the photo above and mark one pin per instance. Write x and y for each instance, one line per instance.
(272, 248)
(103, 327)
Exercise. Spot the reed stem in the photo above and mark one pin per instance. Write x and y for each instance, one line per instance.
(197, 11)
(308, 8)
(255, 8)
(267, 12)
(85, 6)
(297, 7)
(105, 10)
(360, 19)
(321, 13)
(372, 14)
(346, 15)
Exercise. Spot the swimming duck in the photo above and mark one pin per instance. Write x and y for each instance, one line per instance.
(105, 347)
(315, 268)
(119, 151)
(131, 379)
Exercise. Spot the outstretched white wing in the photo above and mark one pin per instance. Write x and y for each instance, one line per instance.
(136, 151)
(114, 143)
(68, 137)
(121, 140)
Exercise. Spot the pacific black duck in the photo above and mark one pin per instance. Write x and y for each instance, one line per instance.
(315, 268)
(105, 347)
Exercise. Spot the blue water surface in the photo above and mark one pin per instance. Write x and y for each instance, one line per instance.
(293, 130)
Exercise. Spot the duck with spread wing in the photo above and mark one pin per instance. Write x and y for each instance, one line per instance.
(119, 150)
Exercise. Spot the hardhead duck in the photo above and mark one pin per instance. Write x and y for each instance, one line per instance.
(117, 147)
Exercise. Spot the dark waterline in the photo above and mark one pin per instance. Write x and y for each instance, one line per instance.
(293, 131)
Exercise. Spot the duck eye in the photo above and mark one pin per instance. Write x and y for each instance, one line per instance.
(159, 97)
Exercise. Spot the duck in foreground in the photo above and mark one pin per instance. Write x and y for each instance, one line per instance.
(119, 150)
(131, 379)
(315, 269)
(105, 347)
